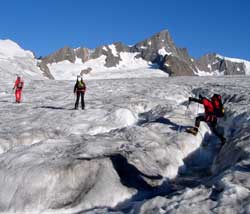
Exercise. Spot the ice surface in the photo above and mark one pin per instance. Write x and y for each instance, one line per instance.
(127, 151)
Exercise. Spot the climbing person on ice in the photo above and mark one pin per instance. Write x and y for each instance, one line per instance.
(213, 109)
(79, 90)
(18, 87)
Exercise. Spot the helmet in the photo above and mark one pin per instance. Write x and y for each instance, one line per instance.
(216, 96)
(78, 78)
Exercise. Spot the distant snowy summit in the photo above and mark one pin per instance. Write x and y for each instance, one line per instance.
(158, 50)
(155, 56)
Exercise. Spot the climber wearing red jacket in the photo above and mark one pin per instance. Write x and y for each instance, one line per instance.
(213, 109)
(18, 87)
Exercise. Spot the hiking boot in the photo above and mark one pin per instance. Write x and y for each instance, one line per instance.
(193, 130)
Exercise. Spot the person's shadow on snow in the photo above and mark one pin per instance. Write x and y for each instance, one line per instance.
(173, 126)
(53, 108)
(165, 121)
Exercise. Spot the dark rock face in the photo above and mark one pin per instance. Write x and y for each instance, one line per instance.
(111, 59)
(65, 53)
(43, 66)
(82, 53)
(214, 63)
(158, 49)
(86, 71)
(174, 66)
(232, 68)
(149, 48)
(112, 53)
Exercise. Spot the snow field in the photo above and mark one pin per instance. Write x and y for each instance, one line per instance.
(80, 153)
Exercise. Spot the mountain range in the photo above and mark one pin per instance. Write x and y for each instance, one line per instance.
(128, 151)
(157, 54)
(159, 50)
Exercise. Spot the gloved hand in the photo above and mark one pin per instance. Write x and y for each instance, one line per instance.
(190, 99)
(200, 96)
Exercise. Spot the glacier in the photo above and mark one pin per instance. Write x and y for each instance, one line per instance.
(127, 152)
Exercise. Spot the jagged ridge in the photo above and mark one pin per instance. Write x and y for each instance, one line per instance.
(159, 49)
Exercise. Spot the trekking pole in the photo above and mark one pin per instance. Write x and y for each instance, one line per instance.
(74, 98)
(189, 102)
(187, 108)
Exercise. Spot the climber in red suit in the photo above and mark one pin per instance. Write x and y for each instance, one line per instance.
(18, 87)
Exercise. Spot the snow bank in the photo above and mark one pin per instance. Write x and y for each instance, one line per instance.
(124, 117)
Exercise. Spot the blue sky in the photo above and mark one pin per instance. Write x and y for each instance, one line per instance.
(202, 26)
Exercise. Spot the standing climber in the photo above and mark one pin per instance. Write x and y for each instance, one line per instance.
(213, 109)
(18, 87)
(79, 90)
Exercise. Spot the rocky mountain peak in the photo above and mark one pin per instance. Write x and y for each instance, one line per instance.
(66, 53)
(158, 49)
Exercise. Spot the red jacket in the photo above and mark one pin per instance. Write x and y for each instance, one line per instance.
(18, 84)
(209, 108)
(208, 105)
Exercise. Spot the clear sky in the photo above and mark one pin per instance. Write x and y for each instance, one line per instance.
(202, 26)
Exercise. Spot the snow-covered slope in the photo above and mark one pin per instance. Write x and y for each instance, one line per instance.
(129, 67)
(9, 49)
(158, 49)
(127, 152)
(217, 65)
(16, 61)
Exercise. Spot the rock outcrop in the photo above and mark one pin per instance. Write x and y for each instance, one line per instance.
(215, 63)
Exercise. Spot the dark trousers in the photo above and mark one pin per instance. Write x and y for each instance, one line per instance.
(212, 125)
(78, 95)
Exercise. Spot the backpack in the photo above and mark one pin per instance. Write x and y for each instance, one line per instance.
(218, 105)
(80, 84)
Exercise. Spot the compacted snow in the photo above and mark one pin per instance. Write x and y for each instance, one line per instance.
(127, 152)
